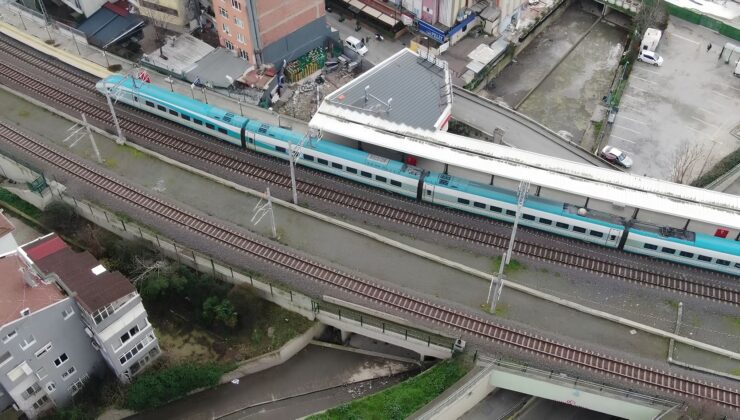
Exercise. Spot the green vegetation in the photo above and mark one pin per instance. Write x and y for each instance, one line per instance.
(402, 400)
(115, 68)
(97, 394)
(513, 267)
(721, 168)
(734, 322)
(598, 126)
(673, 304)
(16, 203)
(152, 389)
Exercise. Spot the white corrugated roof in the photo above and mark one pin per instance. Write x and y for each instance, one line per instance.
(558, 174)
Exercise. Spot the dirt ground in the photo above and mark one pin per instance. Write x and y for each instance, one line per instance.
(300, 100)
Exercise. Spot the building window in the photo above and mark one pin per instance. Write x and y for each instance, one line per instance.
(69, 372)
(30, 391)
(229, 45)
(238, 22)
(243, 54)
(42, 351)
(9, 336)
(41, 402)
(102, 313)
(130, 333)
(5, 358)
(77, 385)
(61, 359)
(134, 351)
(223, 12)
(241, 39)
(28, 342)
(67, 313)
(236, 5)
(51, 387)
(41, 373)
(226, 28)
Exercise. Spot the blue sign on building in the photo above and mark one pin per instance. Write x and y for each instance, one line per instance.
(431, 31)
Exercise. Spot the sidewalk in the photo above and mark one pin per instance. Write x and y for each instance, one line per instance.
(64, 42)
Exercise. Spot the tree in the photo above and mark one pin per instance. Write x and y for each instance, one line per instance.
(219, 311)
(61, 217)
(685, 159)
(652, 14)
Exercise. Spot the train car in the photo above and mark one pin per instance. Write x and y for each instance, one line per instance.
(538, 213)
(555, 217)
(685, 247)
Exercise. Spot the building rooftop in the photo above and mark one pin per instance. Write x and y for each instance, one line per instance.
(213, 68)
(16, 294)
(405, 90)
(181, 54)
(77, 271)
(110, 24)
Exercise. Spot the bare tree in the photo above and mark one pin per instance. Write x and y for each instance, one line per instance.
(685, 159)
(153, 18)
(652, 14)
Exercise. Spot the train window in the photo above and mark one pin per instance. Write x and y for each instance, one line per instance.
(687, 254)
(222, 130)
(463, 201)
(322, 161)
(161, 108)
(545, 221)
(722, 262)
(562, 225)
(136, 99)
(596, 233)
(579, 229)
(650, 246)
(280, 149)
(612, 237)
(308, 157)
(336, 165)
(479, 205)
(173, 112)
(511, 212)
(395, 183)
(197, 121)
(351, 170)
(210, 126)
(429, 192)
(737, 265)
(381, 178)
(150, 103)
(366, 174)
(496, 209)
(528, 217)
(185, 117)
(704, 258)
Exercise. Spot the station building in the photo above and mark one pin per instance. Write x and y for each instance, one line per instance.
(400, 110)
(63, 319)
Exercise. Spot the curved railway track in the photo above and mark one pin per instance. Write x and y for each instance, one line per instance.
(133, 122)
(389, 298)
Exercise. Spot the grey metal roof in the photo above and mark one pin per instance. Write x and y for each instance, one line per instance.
(215, 66)
(404, 89)
(107, 26)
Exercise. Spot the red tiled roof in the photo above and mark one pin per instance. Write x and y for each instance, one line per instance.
(16, 295)
(75, 271)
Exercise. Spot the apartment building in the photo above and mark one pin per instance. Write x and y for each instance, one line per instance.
(64, 318)
(268, 31)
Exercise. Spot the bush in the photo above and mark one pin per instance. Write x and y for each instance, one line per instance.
(124, 255)
(722, 167)
(61, 217)
(156, 388)
(247, 304)
(219, 312)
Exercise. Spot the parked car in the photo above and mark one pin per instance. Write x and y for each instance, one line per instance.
(616, 156)
(355, 45)
(650, 58)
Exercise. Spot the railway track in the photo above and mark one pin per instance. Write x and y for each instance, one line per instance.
(389, 298)
(134, 122)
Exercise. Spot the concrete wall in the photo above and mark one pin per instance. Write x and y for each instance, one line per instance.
(278, 19)
(298, 42)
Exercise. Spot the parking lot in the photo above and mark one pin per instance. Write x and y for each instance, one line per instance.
(679, 115)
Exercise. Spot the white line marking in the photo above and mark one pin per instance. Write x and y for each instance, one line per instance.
(733, 87)
(704, 122)
(646, 80)
(622, 138)
(725, 96)
(635, 87)
(628, 129)
(708, 111)
(686, 39)
(632, 119)
(692, 128)
(649, 71)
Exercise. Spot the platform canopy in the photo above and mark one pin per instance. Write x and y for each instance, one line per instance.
(558, 174)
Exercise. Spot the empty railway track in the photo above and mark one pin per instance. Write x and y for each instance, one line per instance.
(135, 123)
(429, 311)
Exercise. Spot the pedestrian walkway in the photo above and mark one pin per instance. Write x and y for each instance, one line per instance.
(66, 45)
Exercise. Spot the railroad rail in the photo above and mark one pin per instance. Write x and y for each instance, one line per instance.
(135, 122)
(422, 309)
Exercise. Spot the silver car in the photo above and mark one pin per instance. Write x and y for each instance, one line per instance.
(616, 156)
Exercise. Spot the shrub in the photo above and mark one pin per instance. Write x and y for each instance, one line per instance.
(153, 389)
(61, 217)
(247, 304)
(722, 167)
(219, 312)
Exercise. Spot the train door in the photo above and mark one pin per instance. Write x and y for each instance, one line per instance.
(614, 236)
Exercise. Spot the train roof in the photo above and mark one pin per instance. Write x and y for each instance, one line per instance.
(702, 240)
(558, 174)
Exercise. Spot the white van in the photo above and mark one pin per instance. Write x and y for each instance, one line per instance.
(355, 45)
(736, 72)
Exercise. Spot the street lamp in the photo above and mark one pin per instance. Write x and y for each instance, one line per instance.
(169, 79)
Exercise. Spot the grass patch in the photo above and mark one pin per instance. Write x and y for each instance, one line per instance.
(734, 322)
(153, 389)
(402, 400)
(24, 113)
(110, 163)
(721, 168)
(598, 126)
(513, 267)
(134, 152)
(672, 303)
(502, 309)
(19, 204)
(735, 371)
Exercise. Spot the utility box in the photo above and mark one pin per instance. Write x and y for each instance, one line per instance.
(651, 39)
